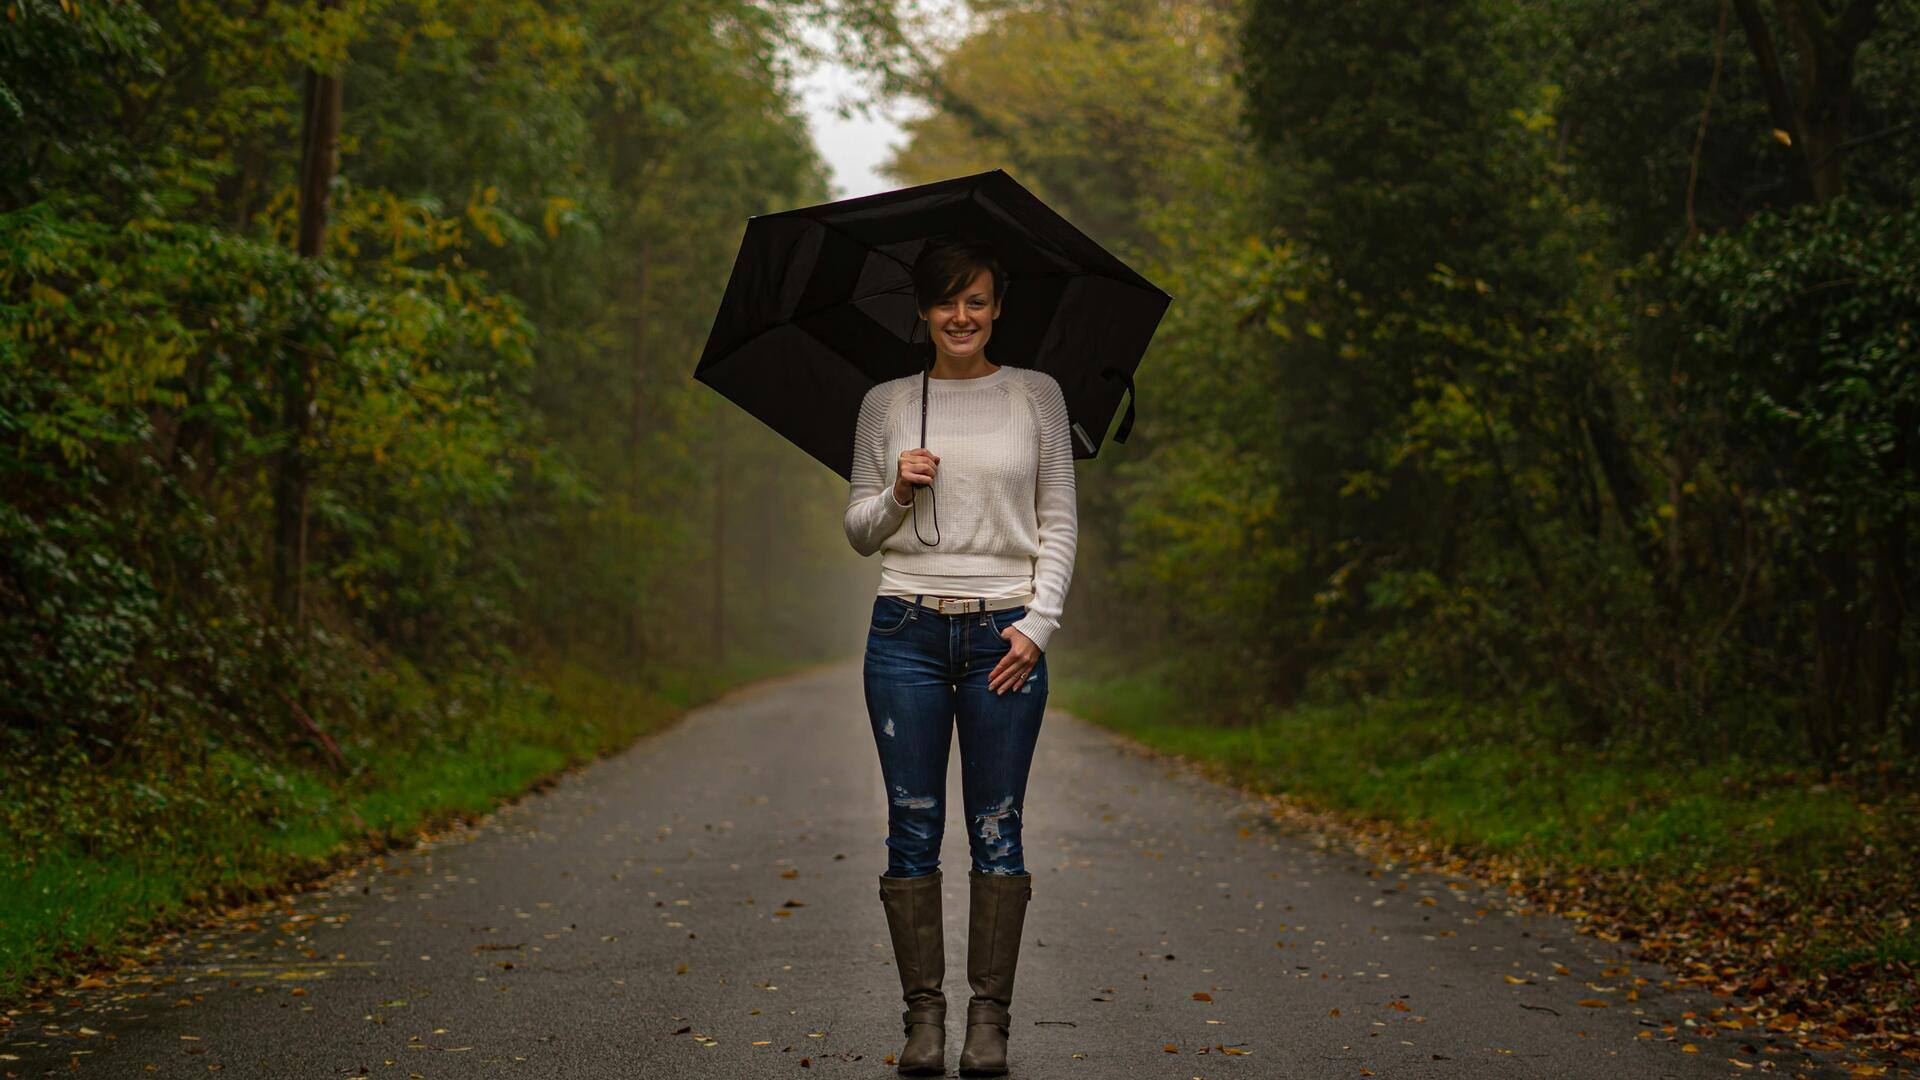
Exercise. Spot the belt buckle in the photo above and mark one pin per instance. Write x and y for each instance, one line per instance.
(958, 602)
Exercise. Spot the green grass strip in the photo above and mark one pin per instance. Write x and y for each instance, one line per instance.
(1447, 772)
(194, 834)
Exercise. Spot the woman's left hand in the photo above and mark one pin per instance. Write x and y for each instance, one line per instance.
(1011, 672)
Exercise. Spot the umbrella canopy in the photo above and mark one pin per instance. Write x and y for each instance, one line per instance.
(820, 308)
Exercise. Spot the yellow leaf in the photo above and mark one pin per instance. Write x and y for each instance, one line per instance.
(555, 207)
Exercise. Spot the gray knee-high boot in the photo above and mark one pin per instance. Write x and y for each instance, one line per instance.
(998, 914)
(919, 951)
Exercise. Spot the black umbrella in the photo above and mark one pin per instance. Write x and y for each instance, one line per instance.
(820, 308)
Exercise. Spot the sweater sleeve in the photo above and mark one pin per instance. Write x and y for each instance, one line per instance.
(872, 514)
(1056, 514)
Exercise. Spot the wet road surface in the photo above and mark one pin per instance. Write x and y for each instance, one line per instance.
(704, 905)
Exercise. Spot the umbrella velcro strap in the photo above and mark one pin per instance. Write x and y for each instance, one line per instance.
(1126, 422)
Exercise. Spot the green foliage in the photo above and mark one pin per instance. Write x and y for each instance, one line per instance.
(71, 651)
(1807, 321)
(1490, 374)
(59, 63)
(532, 221)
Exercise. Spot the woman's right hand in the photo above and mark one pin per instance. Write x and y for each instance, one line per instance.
(916, 468)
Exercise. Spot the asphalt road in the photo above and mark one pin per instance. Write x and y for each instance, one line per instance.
(704, 905)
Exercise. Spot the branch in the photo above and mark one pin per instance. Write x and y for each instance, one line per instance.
(1786, 115)
(1862, 139)
(325, 740)
(1700, 137)
(927, 81)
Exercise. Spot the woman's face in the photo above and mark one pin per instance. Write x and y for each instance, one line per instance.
(961, 324)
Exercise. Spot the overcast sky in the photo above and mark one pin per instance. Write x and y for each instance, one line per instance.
(854, 146)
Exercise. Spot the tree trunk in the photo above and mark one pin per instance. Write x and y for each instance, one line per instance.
(1834, 652)
(1889, 600)
(319, 161)
(636, 438)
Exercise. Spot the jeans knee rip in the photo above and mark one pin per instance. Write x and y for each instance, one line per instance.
(988, 827)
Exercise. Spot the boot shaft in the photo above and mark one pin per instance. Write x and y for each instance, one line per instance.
(916, 925)
(995, 920)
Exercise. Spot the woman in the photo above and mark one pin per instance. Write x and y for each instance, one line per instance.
(966, 604)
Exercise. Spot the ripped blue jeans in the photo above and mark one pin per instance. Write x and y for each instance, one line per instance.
(924, 671)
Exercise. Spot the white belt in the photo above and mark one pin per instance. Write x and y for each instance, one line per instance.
(957, 605)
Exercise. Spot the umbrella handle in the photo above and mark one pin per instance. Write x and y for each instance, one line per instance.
(924, 375)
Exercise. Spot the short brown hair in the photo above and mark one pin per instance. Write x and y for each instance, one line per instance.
(945, 266)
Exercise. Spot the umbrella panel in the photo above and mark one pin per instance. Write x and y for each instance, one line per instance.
(842, 273)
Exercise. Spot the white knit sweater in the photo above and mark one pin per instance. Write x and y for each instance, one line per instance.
(1004, 488)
